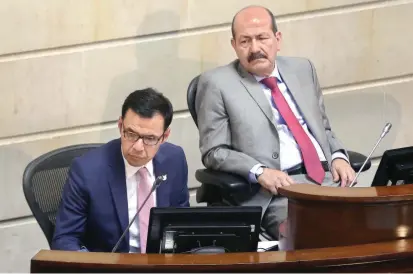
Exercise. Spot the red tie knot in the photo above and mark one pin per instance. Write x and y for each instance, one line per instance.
(270, 82)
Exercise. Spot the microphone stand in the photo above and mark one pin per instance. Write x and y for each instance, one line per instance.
(155, 185)
(386, 129)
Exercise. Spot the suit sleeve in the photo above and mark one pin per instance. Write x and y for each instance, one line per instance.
(184, 192)
(215, 132)
(334, 143)
(72, 214)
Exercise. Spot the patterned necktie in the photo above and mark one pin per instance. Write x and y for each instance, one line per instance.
(144, 188)
(311, 160)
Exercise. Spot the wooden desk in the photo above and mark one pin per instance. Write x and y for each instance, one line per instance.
(394, 256)
(333, 216)
(330, 229)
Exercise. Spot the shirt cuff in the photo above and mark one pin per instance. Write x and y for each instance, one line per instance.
(251, 175)
(341, 155)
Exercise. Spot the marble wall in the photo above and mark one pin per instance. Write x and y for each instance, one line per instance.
(66, 67)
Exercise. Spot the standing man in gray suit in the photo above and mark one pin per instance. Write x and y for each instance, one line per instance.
(262, 117)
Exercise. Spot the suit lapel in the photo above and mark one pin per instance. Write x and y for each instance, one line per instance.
(117, 183)
(297, 92)
(255, 90)
(162, 197)
(300, 96)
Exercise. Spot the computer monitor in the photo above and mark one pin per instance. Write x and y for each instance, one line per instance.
(395, 168)
(203, 229)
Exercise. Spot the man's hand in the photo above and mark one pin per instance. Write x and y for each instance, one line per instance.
(272, 179)
(342, 171)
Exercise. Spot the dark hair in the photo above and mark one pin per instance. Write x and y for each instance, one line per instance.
(146, 103)
(273, 23)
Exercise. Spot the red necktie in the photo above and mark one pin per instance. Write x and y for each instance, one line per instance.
(311, 160)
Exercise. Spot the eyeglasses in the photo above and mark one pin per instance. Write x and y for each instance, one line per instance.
(134, 137)
(147, 140)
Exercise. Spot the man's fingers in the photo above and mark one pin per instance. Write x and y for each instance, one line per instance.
(274, 190)
(276, 181)
(343, 177)
(350, 176)
(335, 175)
(290, 180)
(284, 182)
(353, 174)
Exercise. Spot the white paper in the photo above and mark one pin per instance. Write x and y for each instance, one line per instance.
(263, 246)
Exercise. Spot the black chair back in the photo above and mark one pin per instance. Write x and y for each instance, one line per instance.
(190, 98)
(43, 182)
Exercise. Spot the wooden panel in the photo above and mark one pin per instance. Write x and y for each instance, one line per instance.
(395, 256)
(384, 194)
(325, 216)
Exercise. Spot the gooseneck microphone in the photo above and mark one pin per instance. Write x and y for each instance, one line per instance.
(155, 185)
(386, 130)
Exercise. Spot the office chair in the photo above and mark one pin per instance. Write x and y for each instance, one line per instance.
(221, 188)
(43, 181)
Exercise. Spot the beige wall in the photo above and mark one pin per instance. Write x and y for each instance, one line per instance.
(66, 66)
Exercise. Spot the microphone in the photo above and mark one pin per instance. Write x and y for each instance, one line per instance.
(386, 130)
(155, 185)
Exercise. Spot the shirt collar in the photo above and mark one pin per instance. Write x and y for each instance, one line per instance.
(275, 73)
(131, 170)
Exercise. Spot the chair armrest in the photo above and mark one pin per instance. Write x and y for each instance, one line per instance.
(224, 180)
(357, 160)
(235, 183)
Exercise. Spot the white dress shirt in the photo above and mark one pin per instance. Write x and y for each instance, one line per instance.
(132, 185)
(290, 155)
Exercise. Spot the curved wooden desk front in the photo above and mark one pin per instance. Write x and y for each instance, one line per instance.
(394, 256)
(329, 216)
(364, 230)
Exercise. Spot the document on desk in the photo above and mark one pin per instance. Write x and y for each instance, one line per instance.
(264, 246)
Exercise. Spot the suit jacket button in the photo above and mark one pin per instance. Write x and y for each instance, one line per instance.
(275, 155)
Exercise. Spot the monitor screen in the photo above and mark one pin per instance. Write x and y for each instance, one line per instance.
(395, 168)
(203, 229)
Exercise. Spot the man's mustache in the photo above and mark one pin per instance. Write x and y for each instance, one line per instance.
(256, 55)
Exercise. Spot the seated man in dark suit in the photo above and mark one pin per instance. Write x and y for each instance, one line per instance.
(106, 186)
